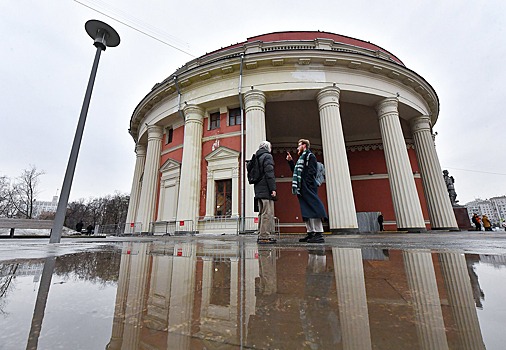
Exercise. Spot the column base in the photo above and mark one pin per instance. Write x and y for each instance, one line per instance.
(453, 229)
(344, 231)
(413, 229)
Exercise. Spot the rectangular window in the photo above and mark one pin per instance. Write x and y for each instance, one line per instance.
(234, 116)
(170, 133)
(214, 121)
(220, 291)
(223, 200)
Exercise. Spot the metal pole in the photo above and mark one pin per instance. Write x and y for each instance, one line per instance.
(71, 166)
(40, 303)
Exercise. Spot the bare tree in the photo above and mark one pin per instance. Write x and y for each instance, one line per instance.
(24, 191)
(116, 208)
(4, 196)
(96, 210)
(76, 211)
(106, 210)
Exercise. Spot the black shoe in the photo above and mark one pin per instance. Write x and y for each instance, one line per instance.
(309, 236)
(317, 238)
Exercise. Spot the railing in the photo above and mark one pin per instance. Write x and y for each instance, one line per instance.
(210, 224)
(123, 229)
(217, 224)
(173, 227)
(249, 225)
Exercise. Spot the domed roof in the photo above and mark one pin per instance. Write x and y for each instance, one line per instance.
(309, 36)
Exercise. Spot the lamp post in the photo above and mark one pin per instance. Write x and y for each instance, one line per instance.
(103, 36)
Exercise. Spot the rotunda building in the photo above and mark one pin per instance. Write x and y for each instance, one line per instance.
(368, 117)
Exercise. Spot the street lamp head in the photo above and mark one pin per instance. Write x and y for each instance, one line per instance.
(103, 34)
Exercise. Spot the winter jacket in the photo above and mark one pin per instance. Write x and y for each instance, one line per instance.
(311, 206)
(486, 221)
(264, 187)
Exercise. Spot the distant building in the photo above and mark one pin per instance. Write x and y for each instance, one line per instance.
(494, 208)
(40, 207)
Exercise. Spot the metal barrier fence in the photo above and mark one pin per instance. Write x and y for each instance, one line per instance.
(249, 225)
(169, 228)
(217, 224)
(204, 224)
(124, 229)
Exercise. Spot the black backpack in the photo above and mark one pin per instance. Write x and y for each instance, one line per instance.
(255, 172)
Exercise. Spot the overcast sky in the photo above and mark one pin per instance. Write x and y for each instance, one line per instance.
(46, 57)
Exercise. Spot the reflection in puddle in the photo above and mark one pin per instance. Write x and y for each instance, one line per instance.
(210, 294)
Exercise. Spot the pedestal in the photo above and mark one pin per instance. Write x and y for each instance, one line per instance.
(462, 217)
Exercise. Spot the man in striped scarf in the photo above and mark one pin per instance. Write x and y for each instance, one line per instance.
(305, 187)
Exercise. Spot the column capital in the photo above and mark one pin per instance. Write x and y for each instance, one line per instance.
(254, 99)
(140, 150)
(387, 106)
(420, 123)
(328, 96)
(155, 132)
(193, 113)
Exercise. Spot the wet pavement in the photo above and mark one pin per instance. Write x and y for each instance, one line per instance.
(388, 291)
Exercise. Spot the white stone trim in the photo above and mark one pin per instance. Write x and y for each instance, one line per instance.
(222, 164)
(172, 149)
(221, 136)
(170, 178)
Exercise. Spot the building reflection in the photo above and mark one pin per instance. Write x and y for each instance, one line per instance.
(210, 295)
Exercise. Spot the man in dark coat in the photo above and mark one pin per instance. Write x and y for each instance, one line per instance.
(305, 187)
(265, 194)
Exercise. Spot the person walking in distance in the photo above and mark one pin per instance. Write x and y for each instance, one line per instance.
(477, 222)
(265, 193)
(486, 223)
(380, 221)
(305, 187)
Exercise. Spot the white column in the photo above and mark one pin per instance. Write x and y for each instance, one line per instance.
(342, 213)
(460, 298)
(182, 296)
(408, 212)
(147, 202)
(189, 187)
(254, 102)
(136, 296)
(140, 151)
(157, 308)
(118, 323)
(207, 285)
(439, 205)
(251, 273)
(425, 298)
(351, 298)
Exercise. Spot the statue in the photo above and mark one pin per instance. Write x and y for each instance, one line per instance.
(449, 181)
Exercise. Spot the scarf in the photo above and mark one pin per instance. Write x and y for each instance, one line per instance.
(297, 173)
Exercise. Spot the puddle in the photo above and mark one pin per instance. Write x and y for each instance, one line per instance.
(232, 295)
